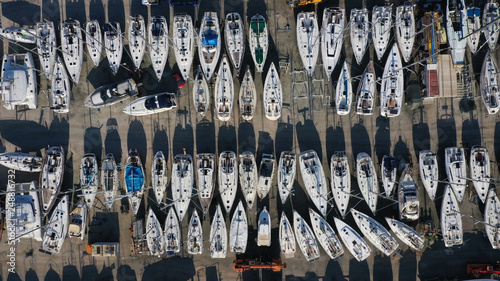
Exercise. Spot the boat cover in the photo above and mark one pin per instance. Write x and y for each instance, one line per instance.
(134, 178)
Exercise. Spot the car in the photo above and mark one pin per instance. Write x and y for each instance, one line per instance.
(179, 80)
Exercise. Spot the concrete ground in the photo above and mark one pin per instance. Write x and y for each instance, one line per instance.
(308, 122)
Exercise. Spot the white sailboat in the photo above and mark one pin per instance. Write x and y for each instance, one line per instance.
(273, 96)
(205, 179)
(238, 232)
(224, 91)
(209, 44)
(492, 219)
(172, 233)
(182, 183)
(264, 229)
(72, 48)
(183, 44)
(159, 178)
(24, 211)
(406, 234)
(367, 180)
(456, 170)
(407, 196)
(332, 38)
(480, 171)
(218, 235)
(154, 234)
(266, 174)
(248, 177)
(113, 43)
(429, 173)
(46, 46)
(287, 238)
(56, 228)
(89, 178)
(451, 220)
(201, 94)
(158, 44)
(228, 179)
(392, 89)
(93, 40)
(343, 93)
(109, 179)
(473, 25)
(360, 30)
(21, 162)
(341, 181)
(78, 221)
(326, 236)
(366, 91)
(19, 34)
(491, 24)
(51, 177)
(375, 233)
(286, 174)
(248, 96)
(234, 34)
(305, 238)
(61, 88)
(195, 235)
(308, 40)
(456, 29)
(314, 179)
(137, 39)
(258, 41)
(389, 170)
(353, 241)
(19, 85)
(490, 84)
(405, 29)
(381, 29)
(134, 180)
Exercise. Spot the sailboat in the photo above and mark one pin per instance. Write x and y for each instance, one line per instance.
(51, 177)
(341, 181)
(113, 42)
(308, 40)
(264, 229)
(46, 46)
(21, 162)
(407, 196)
(332, 38)
(366, 91)
(456, 170)
(218, 235)
(56, 228)
(305, 238)
(273, 96)
(154, 234)
(159, 177)
(360, 30)
(473, 25)
(238, 232)
(375, 233)
(392, 89)
(184, 44)
(367, 180)
(353, 241)
(406, 234)
(182, 183)
(266, 174)
(343, 93)
(286, 174)
(492, 219)
(258, 41)
(248, 96)
(480, 171)
(314, 179)
(205, 179)
(490, 79)
(389, 170)
(19, 85)
(224, 91)
(201, 94)
(381, 29)
(248, 177)
(172, 233)
(234, 34)
(195, 235)
(134, 180)
(209, 44)
(19, 34)
(61, 87)
(93, 40)
(109, 179)
(491, 24)
(456, 29)
(23, 209)
(287, 238)
(89, 178)
(228, 179)
(72, 48)
(429, 173)
(158, 44)
(326, 235)
(405, 29)
(137, 39)
(451, 220)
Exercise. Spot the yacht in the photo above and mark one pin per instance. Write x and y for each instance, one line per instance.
(367, 180)
(332, 38)
(353, 241)
(137, 39)
(286, 174)
(409, 206)
(389, 171)
(109, 179)
(89, 178)
(248, 177)
(78, 220)
(366, 91)
(228, 179)
(451, 220)
(159, 178)
(158, 44)
(182, 183)
(326, 236)
(490, 79)
(248, 96)
(51, 177)
(209, 44)
(456, 170)
(46, 46)
(24, 211)
(264, 229)
(456, 29)
(18, 84)
(19, 34)
(72, 48)
(429, 172)
(375, 233)
(238, 232)
(273, 96)
(205, 179)
(152, 104)
(134, 180)
(172, 233)
(195, 235)
(154, 234)
(113, 93)
(287, 238)
(113, 43)
(218, 235)
(61, 88)
(234, 34)
(258, 40)
(480, 171)
(406, 234)
(314, 179)
(93, 40)
(341, 181)
(266, 174)
(305, 238)
(224, 91)
(56, 228)
(360, 31)
(201, 94)
(405, 29)
(492, 219)
(491, 24)
(343, 93)
(308, 40)
(473, 26)
(184, 43)
(381, 29)
(21, 162)
(392, 88)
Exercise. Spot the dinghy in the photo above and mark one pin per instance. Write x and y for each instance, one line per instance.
(134, 180)
(456, 170)
(456, 29)
(248, 177)
(218, 235)
(451, 220)
(248, 96)
(326, 236)
(332, 38)
(366, 91)
(406, 234)
(93, 40)
(205, 179)
(152, 104)
(492, 219)
(113, 42)
(341, 181)
(273, 96)
(209, 44)
(266, 174)
(238, 233)
(314, 179)
(491, 24)
(109, 179)
(159, 179)
(286, 174)
(308, 40)
(224, 91)
(195, 235)
(24, 211)
(305, 238)
(490, 79)
(137, 39)
(360, 30)
(201, 94)
(381, 29)
(51, 177)
(78, 221)
(389, 171)
(56, 228)
(72, 48)
(46, 46)
(258, 41)
(113, 93)
(183, 44)
(154, 234)
(409, 206)
(287, 238)
(21, 162)
(375, 233)
(18, 81)
(480, 171)
(158, 44)
(473, 25)
(367, 180)
(405, 29)
(392, 88)
(228, 179)
(429, 173)
(353, 241)
(343, 93)
(172, 233)
(61, 88)
(182, 183)
(264, 229)
(89, 178)
(234, 34)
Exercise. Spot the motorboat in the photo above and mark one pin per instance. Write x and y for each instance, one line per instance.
(406, 234)
(367, 180)
(158, 44)
(201, 94)
(332, 38)
(51, 177)
(491, 24)
(405, 29)
(113, 93)
(366, 91)
(113, 43)
(392, 88)
(93, 40)
(326, 236)
(61, 88)
(264, 229)
(343, 93)
(89, 178)
(314, 179)
(287, 238)
(56, 228)
(266, 174)
(360, 31)
(72, 48)
(182, 183)
(78, 220)
(286, 174)
(195, 235)
(456, 29)
(234, 33)
(218, 235)
(24, 211)
(18, 84)
(152, 104)
(224, 91)
(258, 40)
(341, 181)
(46, 46)
(172, 233)
(205, 179)
(273, 96)
(473, 26)
(451, 220)
(480, 171)
(238, 231)
(21, 162)
(378, 235)
(248, 96)
(381, 29)
(159, 178)
(137, 39)
(228, 179)
(134, 180)
(489, 87)
(109, 179)
(183, 43)
(353, 241)
(19, 34)
(248, 177)
(209, 44)
(492, 219)
(456, 170)
(305, 238)
(308, 40)
(409, 205)
(429, 171)
(389, 171)
(154, 234)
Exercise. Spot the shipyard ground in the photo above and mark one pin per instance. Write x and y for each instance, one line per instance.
(309, 121)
